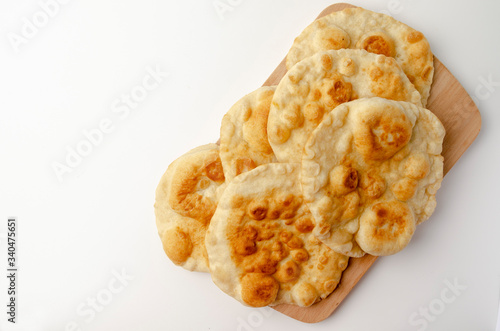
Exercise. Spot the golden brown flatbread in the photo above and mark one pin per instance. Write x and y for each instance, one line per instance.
(318, 84)
(358, 28)
(243, 134)
(186, 199)
(370, 172)
(260, 245)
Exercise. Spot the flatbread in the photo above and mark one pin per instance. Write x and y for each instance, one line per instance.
(370, 172)
(318, 84)
(359, 28)
(243, 134)
(186, 199)
(260, 245)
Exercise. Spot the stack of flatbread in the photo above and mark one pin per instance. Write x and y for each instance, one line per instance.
(339, 160)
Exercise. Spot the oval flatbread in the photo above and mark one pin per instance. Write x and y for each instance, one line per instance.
(186, 199)
(260, 243)
(370, 172)
(243, 134)
(318, 84)
(358, 28)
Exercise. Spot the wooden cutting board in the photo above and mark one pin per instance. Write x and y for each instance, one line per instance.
(462, 121)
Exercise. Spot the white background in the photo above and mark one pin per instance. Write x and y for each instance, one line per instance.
(77, 233)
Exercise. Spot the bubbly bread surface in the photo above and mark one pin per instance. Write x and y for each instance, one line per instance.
(370, 172)
(186, 199)
(358, 28)
(243, 134)
(318, 84)
(260, 243)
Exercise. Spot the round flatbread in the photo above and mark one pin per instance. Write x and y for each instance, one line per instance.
(370, 172)
(359, 28)
(260, 245)
(186, 199)
(243, 134)
(318, 84)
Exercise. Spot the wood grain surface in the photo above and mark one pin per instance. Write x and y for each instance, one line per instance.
(462, 121)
